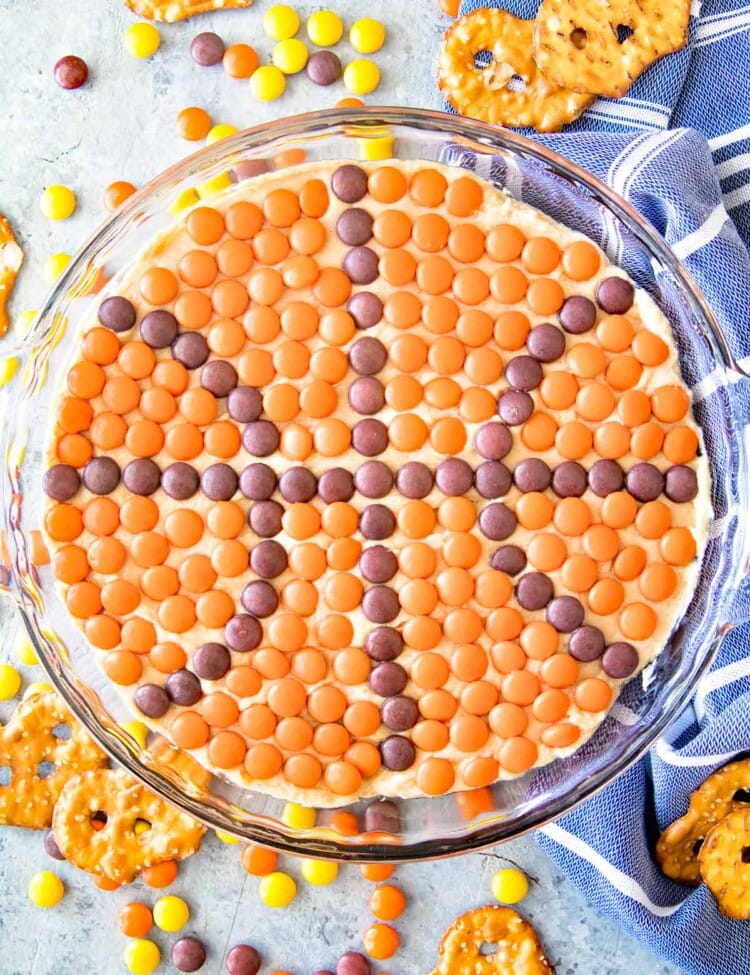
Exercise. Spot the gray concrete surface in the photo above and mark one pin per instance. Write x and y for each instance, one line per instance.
(121, 126)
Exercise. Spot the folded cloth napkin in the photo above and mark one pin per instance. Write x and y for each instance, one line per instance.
(677, 146)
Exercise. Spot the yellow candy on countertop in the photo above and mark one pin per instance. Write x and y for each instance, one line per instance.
(171, 913)
(267, 83)
(142, 40)
(141, 956)
(277, 889)
(281, 21)
(361, 76)
(325, 28)
(509, 886)
(290, 56)
(46, 889)
(58, 202)
(319, 872)
(367, 35)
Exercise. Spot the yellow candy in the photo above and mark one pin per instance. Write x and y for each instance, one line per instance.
(290, 56)
(277, 889)
(298, 817)
(325, 28)
(214, 185)
(361, 76)
(10, 682)
(267, 83)
(141, 956)
(54, 267)
(25, 653)
(185, 200)
(46, 889)
(218, 132)
(137, 730)
(38, 687)
(8, 369)
(319, 872)
(141, 826)
(58, 202)
(281, 21)
(509, 886)
(367, 35)
(24, 322)
(142, 40)
(381, 147)
(226, 837)
(171, 913)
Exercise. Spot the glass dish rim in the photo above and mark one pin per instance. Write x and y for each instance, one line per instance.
(307, 125)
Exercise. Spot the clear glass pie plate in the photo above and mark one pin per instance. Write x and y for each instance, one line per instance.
(428, 827)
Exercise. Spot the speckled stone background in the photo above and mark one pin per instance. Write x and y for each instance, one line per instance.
(121, 126)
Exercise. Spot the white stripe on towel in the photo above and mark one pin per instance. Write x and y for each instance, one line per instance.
(619, 880)
(734, 165)
(667, 754)
(708, 230)
(646, 117)
(716, 679)
(736, 135)
(721, 29)
(737, 198)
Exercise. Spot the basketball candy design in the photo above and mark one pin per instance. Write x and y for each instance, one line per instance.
(371, 480)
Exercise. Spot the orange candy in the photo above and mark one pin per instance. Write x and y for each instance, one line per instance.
(380, 941)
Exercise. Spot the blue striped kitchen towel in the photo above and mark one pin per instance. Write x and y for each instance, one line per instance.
(678, 147)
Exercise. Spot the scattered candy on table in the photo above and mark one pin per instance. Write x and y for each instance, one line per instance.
(58, 202)
(240, 61)
(509, 886)
(70, 72)
(141, 956)
(193, 123)
(220, 131)
(161, 874)
(135, 919)
(380, 941)
(46, 889)
(258, 861)
(141, 40)
(324, 68)
(25, 653)
(267, 83)
(242, 960)
(207, 49)
(10, 682)
(361, 76)
(171, 913)
(281, 21)
(290, 56)
(325, 28)
(54, 266)
(277, 889)
(188, 954)
(367, 35)
(116, 194)
(387, 902)
(319, 872)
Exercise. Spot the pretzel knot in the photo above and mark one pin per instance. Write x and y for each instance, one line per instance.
(173, 10)
(510, 90)
(118, 850)
(724, 792)
(491, 941)
(39, 761)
